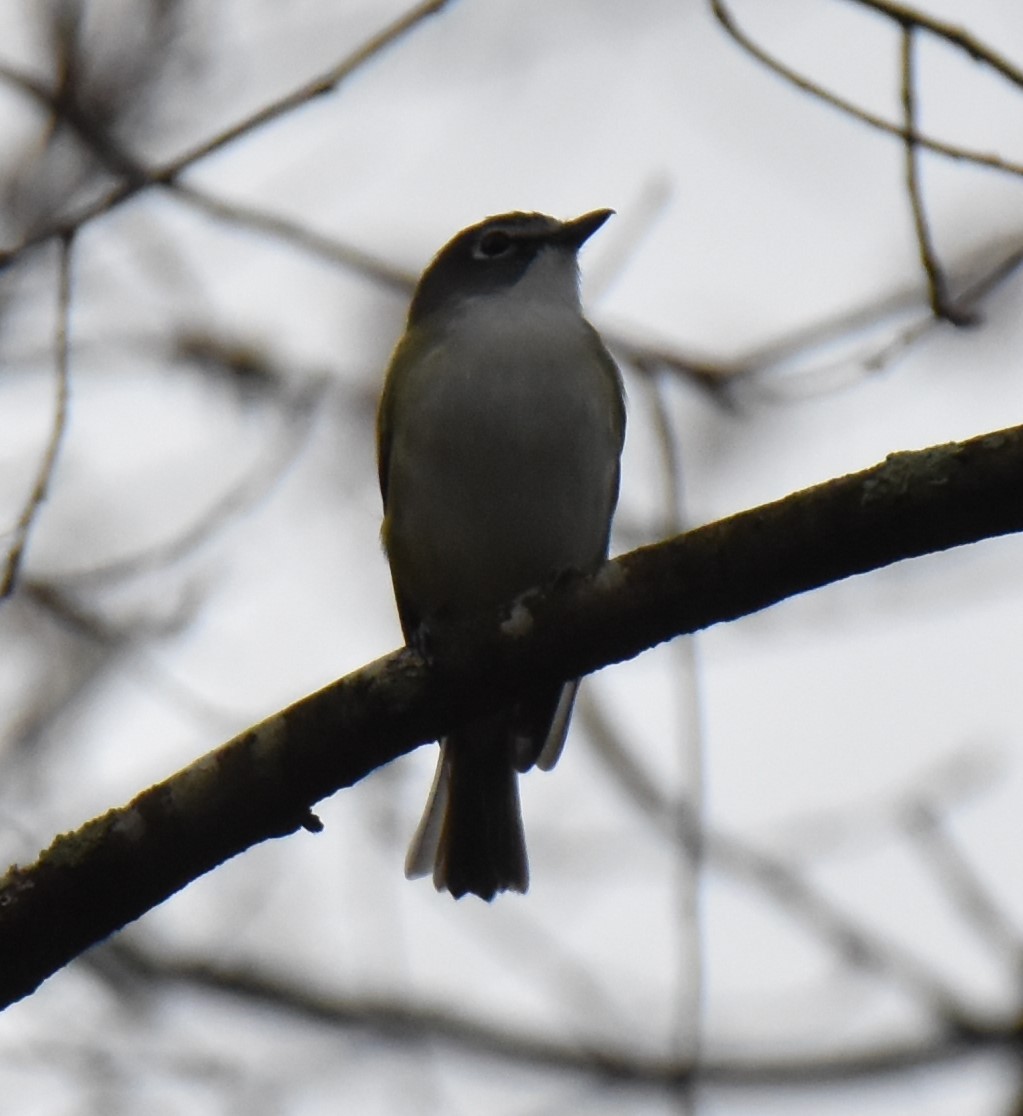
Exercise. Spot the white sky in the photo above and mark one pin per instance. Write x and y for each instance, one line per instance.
(745, 212)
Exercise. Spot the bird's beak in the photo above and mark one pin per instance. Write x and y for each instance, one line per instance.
(575, 233)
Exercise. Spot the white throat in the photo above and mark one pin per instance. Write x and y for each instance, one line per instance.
(552, 280)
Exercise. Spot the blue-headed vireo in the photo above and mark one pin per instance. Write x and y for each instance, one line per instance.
(499, 435)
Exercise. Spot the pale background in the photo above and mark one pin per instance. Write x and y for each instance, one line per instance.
(209, 552)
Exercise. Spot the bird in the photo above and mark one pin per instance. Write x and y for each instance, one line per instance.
(499, 436)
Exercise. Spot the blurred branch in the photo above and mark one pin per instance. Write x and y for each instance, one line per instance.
(412, 1024)
(137, 178)
(264, 782)
(956, 779)
(108, 78)
(300, 410)
(124, 639)
(634, 224)
(790, 360)
(922, 822)
(325, 83)
(668, 443)
(714, 376)
(16, 550)
(53, 598)
(780, 360)
(104, 87)
(688, 807)
(854, 943)
(807, 85)
(298, 236)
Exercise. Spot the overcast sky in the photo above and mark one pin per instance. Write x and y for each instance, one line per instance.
(748, 215)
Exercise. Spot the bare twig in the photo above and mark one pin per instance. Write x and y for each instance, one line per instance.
(298, 236)
(961, 883)
(688, 805)
(724, 378)
(139, 178)
(960, 776)
(226, 507)
(671, 456)
(324, 83)
(413, 1023)
(954, 36)
(855, 944)
(937, 289)
(121, 163)
(647, 358)
(125, 638)
(632, 226)
(801, 81)
(777, 359)
(40, 489)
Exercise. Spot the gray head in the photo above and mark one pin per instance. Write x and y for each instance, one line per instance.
(496, 255)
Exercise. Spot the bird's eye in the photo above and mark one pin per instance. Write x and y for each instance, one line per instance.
(493, 244)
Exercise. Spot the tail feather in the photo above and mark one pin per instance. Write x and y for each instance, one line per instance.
(553, 745)
(539, 724)
(482, 847)
(422, 852)
(470, 836)
(471, 832)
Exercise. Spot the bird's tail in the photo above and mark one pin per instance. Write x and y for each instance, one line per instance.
(470, 836)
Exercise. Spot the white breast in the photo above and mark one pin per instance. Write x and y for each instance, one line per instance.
(504, 464)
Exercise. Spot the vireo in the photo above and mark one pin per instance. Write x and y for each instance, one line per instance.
(499, 435)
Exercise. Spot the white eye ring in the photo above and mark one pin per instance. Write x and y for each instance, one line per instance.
(492, 245)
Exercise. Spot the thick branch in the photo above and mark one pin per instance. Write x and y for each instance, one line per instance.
(263, 783)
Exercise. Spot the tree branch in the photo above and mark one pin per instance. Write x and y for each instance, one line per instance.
(727, 20)
(937, 288)
(263, 783)
(412, 1023)
(10, 565)
(138, 177)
